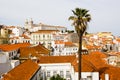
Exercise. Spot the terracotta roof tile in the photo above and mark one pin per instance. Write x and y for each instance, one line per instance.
(69, 44)
(41, 49)
(45, 31)
(23, 71)
(94, 62)
(92, 47)
(56, 59)
(9, 47)
(59, 42)
(33, 51)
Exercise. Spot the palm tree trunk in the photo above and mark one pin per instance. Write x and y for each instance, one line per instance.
(80, 57)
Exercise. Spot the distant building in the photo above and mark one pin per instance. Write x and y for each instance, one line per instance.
(4, 36)
(73, 37)
(44, 37)
(21, 39)
(11, 51)
(35, 27)
(15, 31)
(65, 48)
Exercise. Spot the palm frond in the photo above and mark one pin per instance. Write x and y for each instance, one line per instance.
(80, 19)
(71, 18)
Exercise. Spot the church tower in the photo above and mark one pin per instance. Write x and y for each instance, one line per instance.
(31, 22)
(28, 24)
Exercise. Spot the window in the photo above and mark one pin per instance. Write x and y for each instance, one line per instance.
(67, 74)
(48, 36)
(36, 36)
(84, 79)
(89, 77)
(54, 72)
(9, 54)
(43, 43)
(61, 73)
(43, 36)
(33, 37)
(48, 73)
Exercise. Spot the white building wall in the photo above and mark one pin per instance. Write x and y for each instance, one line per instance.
(15, 31)
(70, 50)
(50, 68)
(42, 38)
(112, 60)
(85, 75)
(14, 63)
(10, 54)
(56, 67)
(36, 76)
(3, 58)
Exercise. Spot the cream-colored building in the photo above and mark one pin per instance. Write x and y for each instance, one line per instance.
(4, 36)
(44, 37)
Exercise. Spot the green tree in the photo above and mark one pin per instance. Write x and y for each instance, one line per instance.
(80, 19)
(57, 77)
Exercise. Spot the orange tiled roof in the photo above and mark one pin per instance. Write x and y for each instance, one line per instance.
(92, 47)
(45, 31)
(59, 42)
(41, 49)
(113, 53)
(94, 62)
(56, 59)
(14, 37)
(11, 26)
(28, 51)
(69, 44)
(118, 39)
(86, 66)
(10, 47)
(33, 51)
(23, 71)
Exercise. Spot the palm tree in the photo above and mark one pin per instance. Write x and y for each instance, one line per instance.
(80, 20)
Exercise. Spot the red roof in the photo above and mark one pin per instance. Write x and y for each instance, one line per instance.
(24, 71)
(10, 47)
(56, 59)
(33, 51)
(94, 62)
(70, 44)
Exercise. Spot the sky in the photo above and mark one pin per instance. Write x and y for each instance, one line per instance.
(104, 13)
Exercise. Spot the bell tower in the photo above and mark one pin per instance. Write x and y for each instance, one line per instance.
(26, 24)
(31, 22)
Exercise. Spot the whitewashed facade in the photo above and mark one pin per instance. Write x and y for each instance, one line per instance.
(65, 70)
